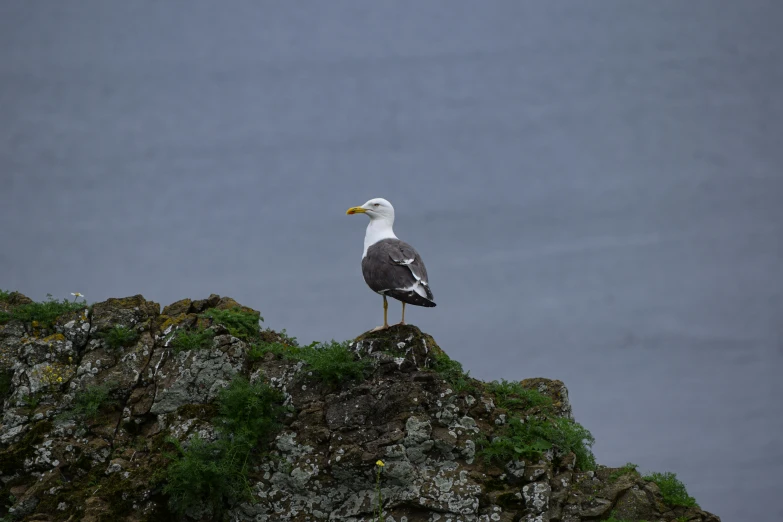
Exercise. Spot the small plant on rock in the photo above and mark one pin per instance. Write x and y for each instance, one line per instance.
(672, 489)
(452, 372)
(279, 343)
(31, 401)
(52, 374)
(379, 465)
(215, 472)
(4, 295)
(204, 471)
(240, 323)
(260, 349)
(570, 436)
(44, 313)
(628, 468)
(249, 411)
(119, 336)
(512, 395)
(531, 437)
(333, 362)
(89, 401)
(191, 340)
(518, 440)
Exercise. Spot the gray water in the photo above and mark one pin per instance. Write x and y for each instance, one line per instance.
(594, 186)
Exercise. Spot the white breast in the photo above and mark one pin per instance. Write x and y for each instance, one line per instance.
(377, 230)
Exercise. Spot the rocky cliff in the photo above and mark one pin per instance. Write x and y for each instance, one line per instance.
(123, 411)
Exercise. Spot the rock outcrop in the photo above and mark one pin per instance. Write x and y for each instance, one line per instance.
(98, 402)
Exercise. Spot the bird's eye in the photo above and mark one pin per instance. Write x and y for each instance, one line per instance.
(377, 205)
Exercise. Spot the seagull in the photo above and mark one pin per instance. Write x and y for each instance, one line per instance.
(391, 267)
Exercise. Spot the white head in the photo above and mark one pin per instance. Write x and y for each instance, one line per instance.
(377, 209)
(381, 214)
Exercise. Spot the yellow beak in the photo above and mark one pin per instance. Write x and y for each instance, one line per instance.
(355, 210)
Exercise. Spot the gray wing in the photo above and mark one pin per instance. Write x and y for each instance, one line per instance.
(394, 268)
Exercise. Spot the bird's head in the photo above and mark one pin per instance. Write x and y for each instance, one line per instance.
(377, 208)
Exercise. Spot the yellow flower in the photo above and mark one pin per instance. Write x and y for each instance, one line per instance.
(380, 463)
(59, 379)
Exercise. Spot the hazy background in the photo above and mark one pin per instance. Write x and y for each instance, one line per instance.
(596, 189)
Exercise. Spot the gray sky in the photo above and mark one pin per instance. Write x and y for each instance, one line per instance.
(594, 186)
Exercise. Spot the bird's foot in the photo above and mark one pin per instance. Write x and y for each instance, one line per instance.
(379, 328)
(401, 323)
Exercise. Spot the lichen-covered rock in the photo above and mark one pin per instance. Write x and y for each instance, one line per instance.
(405, 435)
(196, 376)
(122, 367)
(400, 348)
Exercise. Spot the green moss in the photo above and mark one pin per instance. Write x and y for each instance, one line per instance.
(119, 336)
(511, 395)
(452, 372)
(4, 317)
(239, 322)
(44, 313)
(532, 437)
(191, 340)
(672, 489)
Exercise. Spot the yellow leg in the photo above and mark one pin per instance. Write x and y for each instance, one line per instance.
(403, 314)
(385, 317)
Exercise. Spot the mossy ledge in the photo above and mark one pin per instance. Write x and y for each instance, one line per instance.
(120, 411)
